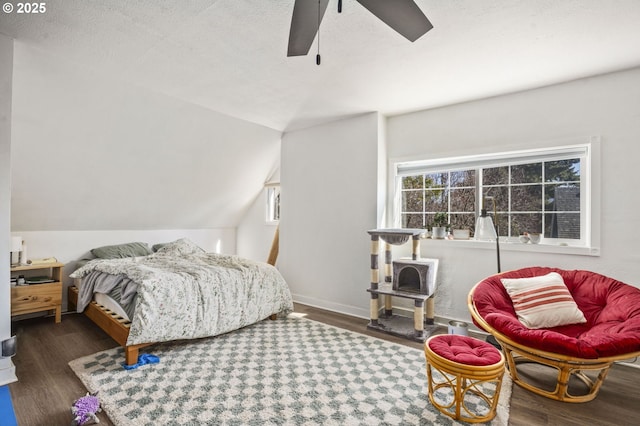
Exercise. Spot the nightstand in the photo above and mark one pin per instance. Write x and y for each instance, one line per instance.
(39, 295)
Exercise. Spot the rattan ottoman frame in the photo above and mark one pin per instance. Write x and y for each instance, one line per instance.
(462, 380)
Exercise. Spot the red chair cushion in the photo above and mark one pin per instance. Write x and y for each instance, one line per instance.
(612, 310)
(464, 350)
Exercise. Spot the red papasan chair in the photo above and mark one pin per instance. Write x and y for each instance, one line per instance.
(610, 331)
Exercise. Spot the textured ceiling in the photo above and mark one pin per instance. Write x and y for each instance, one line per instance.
(230, 55)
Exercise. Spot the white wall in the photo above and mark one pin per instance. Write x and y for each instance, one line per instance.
(7, 370)
(324, 250)
(329, 199)
(90, 152)
(607, 106)
(254, 235)
(96, 161)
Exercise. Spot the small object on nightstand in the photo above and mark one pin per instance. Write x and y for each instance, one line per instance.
(21, 280)
(24, 261)
(39, 280)
(16, 247)
(43, 261)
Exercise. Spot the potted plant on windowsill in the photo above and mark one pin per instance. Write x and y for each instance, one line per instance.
(440, 225)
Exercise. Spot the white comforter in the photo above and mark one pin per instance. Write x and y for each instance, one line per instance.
(185, 293)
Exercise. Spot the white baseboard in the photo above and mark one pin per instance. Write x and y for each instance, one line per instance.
(635, 363)
(331, 306)
(363, 313)
(7, 372)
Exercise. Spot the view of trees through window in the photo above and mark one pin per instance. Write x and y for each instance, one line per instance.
(537, 197)
(273, 204)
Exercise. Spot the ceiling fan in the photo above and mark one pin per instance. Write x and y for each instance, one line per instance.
(404, 16)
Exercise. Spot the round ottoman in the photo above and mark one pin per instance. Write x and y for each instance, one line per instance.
(470, 371)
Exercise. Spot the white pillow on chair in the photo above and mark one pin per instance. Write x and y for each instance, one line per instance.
(543, 302)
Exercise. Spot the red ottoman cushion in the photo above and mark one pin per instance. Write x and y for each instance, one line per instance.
(464, 350)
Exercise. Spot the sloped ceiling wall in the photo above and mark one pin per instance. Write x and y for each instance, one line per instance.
(90, 152)
(230, 55)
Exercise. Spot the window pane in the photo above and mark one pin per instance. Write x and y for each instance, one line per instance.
(562, 171)
(538, 196)
(436, 180)
(526, 173)
(436, 200)
(463, 221)
(526, 198)
(521, 223)
(412, 182)
(463, 200)
(413, 221)
(501, 225)
(501, 196)
(273, 204)
(562, 198)
(412, 201)
(495, 176)
(463, 178)
(562, 225)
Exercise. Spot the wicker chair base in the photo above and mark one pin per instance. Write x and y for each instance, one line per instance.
(566, 368)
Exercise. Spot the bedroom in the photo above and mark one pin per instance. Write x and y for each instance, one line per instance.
(82, 105)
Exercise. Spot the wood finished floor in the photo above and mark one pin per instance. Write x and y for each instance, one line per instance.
(47, 387)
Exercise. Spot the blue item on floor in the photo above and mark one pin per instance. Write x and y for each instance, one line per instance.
(142, 360)
(8, 417)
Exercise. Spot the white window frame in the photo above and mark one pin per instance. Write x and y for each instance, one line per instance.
(586, 148)
(272, 191)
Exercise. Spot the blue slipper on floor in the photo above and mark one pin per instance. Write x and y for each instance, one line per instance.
(142, 360)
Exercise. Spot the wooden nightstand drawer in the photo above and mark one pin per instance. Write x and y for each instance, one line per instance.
(35, 298)
(38, 297)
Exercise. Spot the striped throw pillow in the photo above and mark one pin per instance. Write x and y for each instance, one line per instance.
(543, 302)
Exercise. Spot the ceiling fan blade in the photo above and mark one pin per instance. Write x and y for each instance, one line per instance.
(304, 25)
(404, 16)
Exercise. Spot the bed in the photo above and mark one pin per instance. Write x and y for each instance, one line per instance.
(178, 292)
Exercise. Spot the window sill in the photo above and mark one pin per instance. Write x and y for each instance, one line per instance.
(517, 246)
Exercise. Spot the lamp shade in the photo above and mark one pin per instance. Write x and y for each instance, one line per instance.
(485, 229)
(16, 244)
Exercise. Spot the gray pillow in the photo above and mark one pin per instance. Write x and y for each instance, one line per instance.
(180, 247)
(158, 246)
(119, 251)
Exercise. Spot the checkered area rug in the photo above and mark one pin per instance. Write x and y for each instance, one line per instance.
(290, 371)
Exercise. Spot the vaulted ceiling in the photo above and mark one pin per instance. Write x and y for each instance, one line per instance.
(230, 55)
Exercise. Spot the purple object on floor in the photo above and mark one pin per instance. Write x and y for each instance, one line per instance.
(142, 360)
(85, 409)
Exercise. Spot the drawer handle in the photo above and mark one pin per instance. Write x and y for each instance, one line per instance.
(28, 298)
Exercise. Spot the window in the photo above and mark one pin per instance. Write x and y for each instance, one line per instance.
(542, 191)
(273, 203)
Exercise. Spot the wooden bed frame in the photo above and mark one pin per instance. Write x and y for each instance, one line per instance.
(111, 323)
(118, 327)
